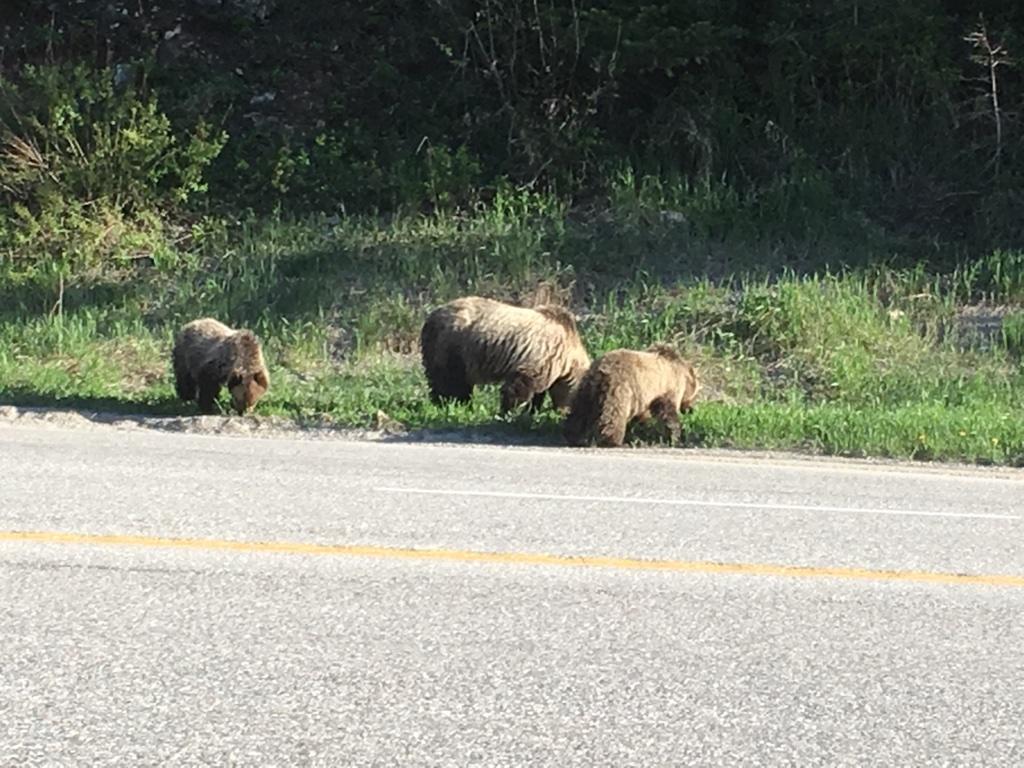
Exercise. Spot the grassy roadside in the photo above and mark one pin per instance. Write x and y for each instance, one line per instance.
(866, 360)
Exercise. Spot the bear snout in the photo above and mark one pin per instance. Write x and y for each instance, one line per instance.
(245, 393)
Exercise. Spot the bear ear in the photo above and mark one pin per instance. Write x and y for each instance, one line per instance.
(261, 378)
(560, 315)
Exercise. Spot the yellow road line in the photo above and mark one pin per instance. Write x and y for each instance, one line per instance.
(513, 558)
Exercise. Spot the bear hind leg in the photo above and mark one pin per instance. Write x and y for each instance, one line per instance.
(449, 381)
(577, 427)
(184, 384)
(611, 435)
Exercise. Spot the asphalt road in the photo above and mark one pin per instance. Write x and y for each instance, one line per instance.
(294, 602)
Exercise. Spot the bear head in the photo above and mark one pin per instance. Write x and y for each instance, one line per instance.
(688, 384)
(248, 380)
(246, 388)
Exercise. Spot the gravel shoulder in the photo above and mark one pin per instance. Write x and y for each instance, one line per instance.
(275, 427)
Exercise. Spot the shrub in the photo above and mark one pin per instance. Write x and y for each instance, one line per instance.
(87, 156)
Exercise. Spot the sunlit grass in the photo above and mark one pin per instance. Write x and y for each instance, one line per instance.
(865, 361)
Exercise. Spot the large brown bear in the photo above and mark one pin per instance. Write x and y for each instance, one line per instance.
(627, 384)
(208, 355)
(473, 340)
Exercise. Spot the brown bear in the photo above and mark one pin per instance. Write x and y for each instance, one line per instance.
(208, 355)
(474, 340)
(627, 384)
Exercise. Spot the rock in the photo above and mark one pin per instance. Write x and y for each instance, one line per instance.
(122, 75)
(256, 9)
(384, 423)
(262, 98)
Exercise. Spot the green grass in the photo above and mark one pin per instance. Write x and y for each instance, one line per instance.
(817, 346)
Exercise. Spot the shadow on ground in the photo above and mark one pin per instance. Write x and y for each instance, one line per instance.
(170, 416)
(29, 398)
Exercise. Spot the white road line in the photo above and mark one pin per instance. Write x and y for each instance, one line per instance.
(695, 503)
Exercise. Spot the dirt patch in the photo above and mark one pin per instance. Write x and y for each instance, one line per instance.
(385, 428)
(246, 426)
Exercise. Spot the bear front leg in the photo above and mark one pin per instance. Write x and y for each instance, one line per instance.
(664, 410)
(537, 402)
(207, 399)
(518, 389)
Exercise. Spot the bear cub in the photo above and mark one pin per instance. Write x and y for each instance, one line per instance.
(208, 355)
(627, 384)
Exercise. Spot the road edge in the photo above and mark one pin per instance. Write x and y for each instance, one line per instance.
(274, 427)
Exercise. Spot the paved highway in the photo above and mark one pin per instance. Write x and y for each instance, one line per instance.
(171, 599)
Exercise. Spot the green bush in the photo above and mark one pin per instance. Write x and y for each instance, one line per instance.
(88, 163)
(73, 132)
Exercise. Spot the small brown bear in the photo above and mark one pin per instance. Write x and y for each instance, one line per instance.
(474, 340)
(208, 355)
(627, 384)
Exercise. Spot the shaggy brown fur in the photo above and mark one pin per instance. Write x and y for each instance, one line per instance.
(628, 384)
(208, 355)
(473, 340)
